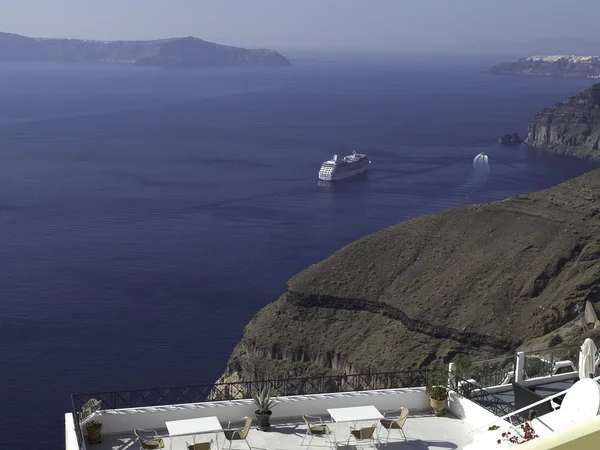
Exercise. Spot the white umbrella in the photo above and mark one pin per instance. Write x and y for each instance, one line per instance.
(587, 359)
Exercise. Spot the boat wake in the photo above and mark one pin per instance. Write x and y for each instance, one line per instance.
(480, 173)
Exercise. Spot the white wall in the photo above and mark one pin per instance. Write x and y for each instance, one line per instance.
(471, 412)
(126, 420)
(70, 436)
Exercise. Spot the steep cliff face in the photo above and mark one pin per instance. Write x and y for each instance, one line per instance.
(551, 66)
(570, 127)
(478, 280)
(180, 52)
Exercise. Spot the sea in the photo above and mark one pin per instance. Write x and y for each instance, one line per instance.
(146, 214)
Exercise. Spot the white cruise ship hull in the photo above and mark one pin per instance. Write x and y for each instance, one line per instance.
(340, 168)
(340, 175)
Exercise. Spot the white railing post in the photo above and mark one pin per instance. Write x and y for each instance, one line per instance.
(520, 367)
(451, 374)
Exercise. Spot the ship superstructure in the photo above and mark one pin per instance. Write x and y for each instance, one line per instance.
(340, 168)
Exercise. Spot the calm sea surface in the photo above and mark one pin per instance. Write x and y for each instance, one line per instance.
(146, 215)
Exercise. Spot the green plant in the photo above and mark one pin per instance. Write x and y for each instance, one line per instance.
(437, 387)
(438, 392)
(493, 427)
(93, 425)
(263, 400)
(463, 366)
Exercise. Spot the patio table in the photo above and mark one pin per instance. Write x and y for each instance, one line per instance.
(354, 414)
(192, 427)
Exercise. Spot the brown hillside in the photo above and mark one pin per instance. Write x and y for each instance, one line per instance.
(479, 280)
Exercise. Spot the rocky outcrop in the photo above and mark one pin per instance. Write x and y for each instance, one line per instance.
(478, 280)
(510, 139)
(179, 52)
(551, 66)
(570, 127)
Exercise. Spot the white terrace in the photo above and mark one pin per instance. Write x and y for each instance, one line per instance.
(423, 430)
(573, 423)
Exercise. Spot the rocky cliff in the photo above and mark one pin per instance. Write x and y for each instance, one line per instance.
(179, 52)
(551, 65)
(570, 127)
(477, 280)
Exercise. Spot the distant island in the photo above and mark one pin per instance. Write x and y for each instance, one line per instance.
(188, 52)
(551, 66)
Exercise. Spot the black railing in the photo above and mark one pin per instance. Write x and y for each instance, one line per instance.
(76, 421)
(543, 363)
(492, 372)
(483, 398)
(245, 389)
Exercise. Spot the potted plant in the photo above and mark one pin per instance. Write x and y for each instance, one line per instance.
(438, 393)
(94, 431)
(264, 403)
(438, 397)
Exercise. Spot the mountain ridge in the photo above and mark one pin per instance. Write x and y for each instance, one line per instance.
(186, 52)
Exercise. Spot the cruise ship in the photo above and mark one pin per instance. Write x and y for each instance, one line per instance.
(349, 166)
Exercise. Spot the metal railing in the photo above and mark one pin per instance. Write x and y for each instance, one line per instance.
(245, 389)
(514, 413)
(483, 398)
(77, 422)
(543, 363)
(489, 372)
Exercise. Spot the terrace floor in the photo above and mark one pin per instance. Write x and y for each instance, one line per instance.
(423, 431)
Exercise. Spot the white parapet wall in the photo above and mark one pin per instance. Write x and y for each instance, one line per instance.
(119, 421)
(70, 436)
(472, 413)
(581, 436)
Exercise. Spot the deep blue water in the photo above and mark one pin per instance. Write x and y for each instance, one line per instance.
(146, 215)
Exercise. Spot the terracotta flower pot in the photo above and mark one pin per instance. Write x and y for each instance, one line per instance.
(438, 406)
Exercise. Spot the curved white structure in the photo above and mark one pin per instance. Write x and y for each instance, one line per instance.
(581, 404)
(349, 166)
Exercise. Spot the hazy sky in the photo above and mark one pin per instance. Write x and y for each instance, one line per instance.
(310, 24)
